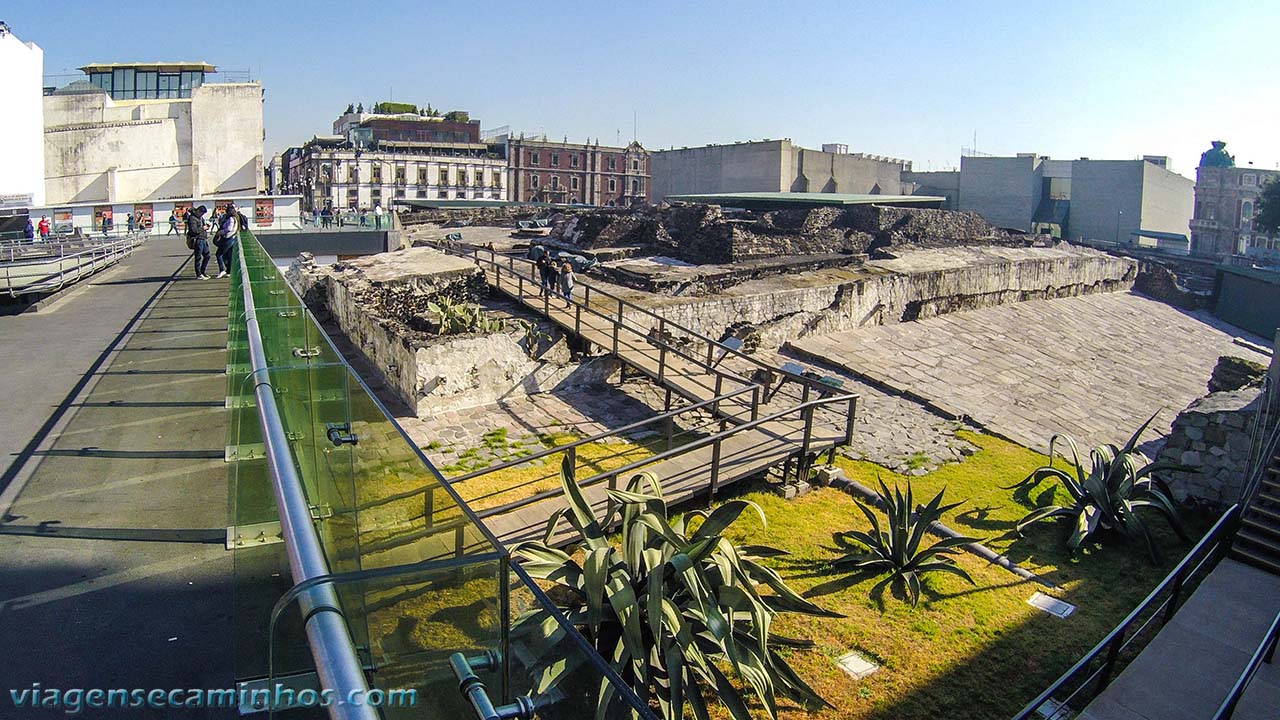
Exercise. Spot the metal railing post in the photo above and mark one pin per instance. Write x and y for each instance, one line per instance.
(715, 406)
(1109, 665)
(803, 468)
(429, 505)
(848, 423)
(1174, 595)
(715, 469)
(755, 402)
(662, 350)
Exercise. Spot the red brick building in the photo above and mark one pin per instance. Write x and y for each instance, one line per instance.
(543, 171)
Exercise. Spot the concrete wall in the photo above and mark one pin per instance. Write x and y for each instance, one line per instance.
(1003, 190)
(1168, 200)
(226, 138)
(941, 183)
(814, 171)
(740, 167)
(1106, 199)
(22, 120)
(100, 150)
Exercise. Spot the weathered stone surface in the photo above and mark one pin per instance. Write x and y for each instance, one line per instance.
(1217, 429)
(1233, 373)
(1095, 367)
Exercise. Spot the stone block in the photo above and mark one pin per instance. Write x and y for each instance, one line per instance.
(1190, 458)
(1192, 433)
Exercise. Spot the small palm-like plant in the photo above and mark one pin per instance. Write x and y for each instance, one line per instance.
(896, 545)
(1120, 482)
(671, 608)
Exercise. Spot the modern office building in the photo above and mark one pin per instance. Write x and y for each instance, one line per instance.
(773, 166)
(542, 170)
(21, 123)
(374, 159)
(1226, 198)
(1120, 201)
(135, 132)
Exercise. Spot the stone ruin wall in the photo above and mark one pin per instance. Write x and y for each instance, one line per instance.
(890, 296)
(1213, 438)
(431, 373)
(704, 234)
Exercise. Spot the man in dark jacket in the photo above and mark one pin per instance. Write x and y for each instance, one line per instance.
(198, 239)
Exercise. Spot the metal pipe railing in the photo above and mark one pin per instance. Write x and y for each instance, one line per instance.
(1264, 654)
(337, 664)
(1210, 545)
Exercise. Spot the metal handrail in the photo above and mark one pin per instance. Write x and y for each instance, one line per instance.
(88, 260)
(551, 451)
(622, 302)
(1265, 653)
(1218, 535)
(715, 439)
(337, 664)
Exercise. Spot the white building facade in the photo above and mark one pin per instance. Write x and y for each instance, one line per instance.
(22, 122)
(152, 131)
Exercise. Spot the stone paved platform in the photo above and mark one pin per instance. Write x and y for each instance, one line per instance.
(1094, 366)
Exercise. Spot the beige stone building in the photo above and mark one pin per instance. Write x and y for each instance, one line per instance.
(150, 131)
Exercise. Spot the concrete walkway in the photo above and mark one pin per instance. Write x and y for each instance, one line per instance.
(114, 490)
(1186, 671)
(1094, 367)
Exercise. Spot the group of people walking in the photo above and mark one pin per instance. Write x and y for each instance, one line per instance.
(43, 228)
(225, 223)
(556, 279)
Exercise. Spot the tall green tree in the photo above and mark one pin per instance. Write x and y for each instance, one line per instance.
(1267, 218)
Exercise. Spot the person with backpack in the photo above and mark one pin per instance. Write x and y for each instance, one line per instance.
(225, 240)
(198, 240)
(173, 224)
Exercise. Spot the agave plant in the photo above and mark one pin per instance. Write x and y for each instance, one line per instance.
(895, 545)
(1120, 482)
(456, 317)
(672, 607)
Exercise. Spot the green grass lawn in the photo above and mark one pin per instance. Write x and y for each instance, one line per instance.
(965, 651)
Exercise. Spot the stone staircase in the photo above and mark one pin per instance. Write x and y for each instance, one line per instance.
(1258, 541)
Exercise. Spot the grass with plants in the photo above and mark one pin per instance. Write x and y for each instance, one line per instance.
(966, 651)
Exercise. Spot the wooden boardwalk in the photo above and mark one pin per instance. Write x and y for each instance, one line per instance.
(758, 429)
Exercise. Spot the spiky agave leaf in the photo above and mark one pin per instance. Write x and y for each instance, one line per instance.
(670, 608)
(897, 548)
(1121, 481)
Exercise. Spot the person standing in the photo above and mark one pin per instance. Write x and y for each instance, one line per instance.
(44, 228)
(173, 223)
(198, 240)
(30, 231)
(542, 264)
(566, 283)
(377, 216)
(226, 238)
(129, 224)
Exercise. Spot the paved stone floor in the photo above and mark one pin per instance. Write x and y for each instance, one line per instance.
(1094, 367)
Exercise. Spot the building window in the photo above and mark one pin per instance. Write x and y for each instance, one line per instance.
(573, 182)
(613, 163)
(1246, 214)
(555, 181)
(400, 175)
(533, 158)
(573, 160)
(555, 159)
(533, 180)
(375, 174)
(613, 185)
(1249, 180)
(635, 165)
(422, 174)
(637, 187)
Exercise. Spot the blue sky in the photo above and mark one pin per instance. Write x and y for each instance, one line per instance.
(914, 80)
